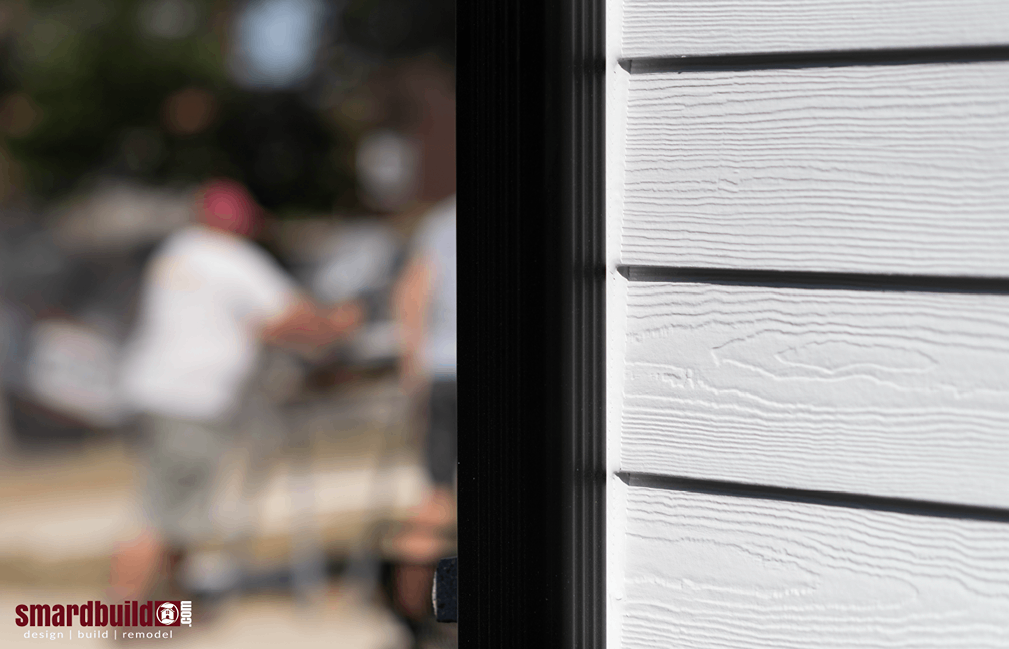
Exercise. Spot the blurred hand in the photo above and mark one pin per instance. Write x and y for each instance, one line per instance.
(307, 330)
(346, 317)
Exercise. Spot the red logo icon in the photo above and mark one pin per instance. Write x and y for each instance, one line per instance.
(167, 613)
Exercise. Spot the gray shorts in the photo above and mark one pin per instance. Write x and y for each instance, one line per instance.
(185, 460)
(182, 460)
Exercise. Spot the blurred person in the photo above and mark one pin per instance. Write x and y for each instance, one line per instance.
(211, 300)
(425, 305)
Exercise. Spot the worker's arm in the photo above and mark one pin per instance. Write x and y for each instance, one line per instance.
(305, 328)
(411, 301)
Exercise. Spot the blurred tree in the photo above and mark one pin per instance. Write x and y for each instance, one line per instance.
(138, 88)
(142, 89)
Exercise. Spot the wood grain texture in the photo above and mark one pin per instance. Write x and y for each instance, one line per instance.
(875, 393)
(694, 27)
(872, 169)
(710, 571)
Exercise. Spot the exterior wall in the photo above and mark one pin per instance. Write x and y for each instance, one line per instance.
(808, 316)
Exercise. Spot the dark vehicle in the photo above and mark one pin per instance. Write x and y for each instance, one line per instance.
(65, 316)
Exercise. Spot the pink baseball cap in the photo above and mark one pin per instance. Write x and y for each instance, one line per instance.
(228, 205)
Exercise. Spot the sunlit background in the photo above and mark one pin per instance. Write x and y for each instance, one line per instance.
(340, 119)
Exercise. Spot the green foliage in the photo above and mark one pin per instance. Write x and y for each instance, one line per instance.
(99, 76)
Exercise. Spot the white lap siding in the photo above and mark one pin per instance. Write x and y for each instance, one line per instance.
(900, 394)
(732, 404)
(901, 169)
(716, 571)
(690, 27)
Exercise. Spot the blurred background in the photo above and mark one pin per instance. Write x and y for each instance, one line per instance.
(338, 116)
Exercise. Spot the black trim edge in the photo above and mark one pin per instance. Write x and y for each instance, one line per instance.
(531, 283)
(583, 157)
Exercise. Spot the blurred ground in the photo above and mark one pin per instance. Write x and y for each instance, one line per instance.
(63, 514)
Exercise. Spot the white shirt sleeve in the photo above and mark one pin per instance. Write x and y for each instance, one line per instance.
(263, 290)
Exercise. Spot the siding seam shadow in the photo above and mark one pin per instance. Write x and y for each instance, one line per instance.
(908, 506)
(816, 59)
(817, 280)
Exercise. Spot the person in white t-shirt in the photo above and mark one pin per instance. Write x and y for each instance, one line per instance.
(211, 300)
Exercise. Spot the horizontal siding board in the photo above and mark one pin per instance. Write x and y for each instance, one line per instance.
(876, 393)
(897, 169)
(712, 571)
(654, 28)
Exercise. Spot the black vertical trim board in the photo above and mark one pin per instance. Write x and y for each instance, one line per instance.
(582, 156)
(531, 340)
